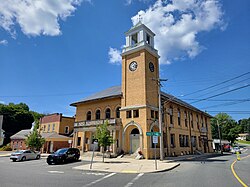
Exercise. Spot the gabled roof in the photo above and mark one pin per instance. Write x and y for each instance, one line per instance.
(174, 99)
(21, 134)
(111, 92)
(53, 135)
(115, 91)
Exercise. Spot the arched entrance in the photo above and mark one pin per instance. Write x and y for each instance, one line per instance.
(134, 140)
(132, 137)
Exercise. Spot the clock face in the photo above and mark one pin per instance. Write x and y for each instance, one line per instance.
(151, 67)
(133, 66)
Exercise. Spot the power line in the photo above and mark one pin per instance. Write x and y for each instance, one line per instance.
(219, 100)
(223, 87)
(46, 95)
(221, 93)
(217, 84)
(225, 104)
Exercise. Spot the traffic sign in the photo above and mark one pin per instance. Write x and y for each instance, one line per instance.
(155, 139)
(153, 133)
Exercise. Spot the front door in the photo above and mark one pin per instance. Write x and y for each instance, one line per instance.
(134, 140)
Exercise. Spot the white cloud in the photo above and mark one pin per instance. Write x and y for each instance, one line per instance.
(129, 2)
(3, 42)
(35, 17)
(176, 24)
(2, 102)
(114, 56)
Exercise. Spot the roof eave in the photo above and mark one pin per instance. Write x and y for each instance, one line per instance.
(97, 99)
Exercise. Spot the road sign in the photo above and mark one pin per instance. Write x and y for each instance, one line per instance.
(155, 139)
(153, 133)
(149, 133)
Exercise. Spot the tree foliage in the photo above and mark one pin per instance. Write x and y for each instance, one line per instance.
(16, 117)
(103, 136)
(228, 127)
(35, 141)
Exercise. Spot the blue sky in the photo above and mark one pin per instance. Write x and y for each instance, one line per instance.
(53, 54)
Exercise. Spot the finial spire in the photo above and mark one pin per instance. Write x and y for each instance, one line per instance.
(139, 18)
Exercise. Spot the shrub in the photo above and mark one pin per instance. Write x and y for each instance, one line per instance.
(6, 148)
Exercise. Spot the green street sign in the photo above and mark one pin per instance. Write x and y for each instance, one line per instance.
(157, 134)
(149, 133)
(153, 133)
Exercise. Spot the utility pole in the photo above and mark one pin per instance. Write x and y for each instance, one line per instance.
(221, 151)
(160, 118)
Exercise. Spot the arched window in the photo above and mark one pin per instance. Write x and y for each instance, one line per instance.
(98, 114)
(118, 112)
(107, 113)
(88, 115)
(135, 131)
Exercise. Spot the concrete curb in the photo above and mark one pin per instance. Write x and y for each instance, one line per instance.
(5, 155)
(108, 168)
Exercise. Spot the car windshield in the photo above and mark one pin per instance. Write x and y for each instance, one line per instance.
(19, 152)
(61, 151)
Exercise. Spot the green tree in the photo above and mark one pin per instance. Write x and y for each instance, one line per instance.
(228, 127)
(103, 136)
(35, 141)
(16, 117)
(245, 126)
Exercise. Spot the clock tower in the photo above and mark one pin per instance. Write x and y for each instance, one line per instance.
(139, 104)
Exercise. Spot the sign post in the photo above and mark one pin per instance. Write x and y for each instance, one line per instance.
(155, 141)
(91, 162)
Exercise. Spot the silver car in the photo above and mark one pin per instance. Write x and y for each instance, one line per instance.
(22, 155)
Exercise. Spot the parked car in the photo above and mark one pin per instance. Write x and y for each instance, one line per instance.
(235, 150)
(22, 155)
(64, 155)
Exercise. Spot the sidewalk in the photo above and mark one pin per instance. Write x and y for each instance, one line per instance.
(5, 153)
(126, 165)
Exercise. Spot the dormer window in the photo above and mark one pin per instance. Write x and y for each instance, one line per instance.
(134, 39)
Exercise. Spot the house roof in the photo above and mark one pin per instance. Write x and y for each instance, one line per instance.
(21, 134)
(174, 99)
(53, 135)
(111, 92)
(115, 91)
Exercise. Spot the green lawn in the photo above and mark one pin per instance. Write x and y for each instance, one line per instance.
(243, 142)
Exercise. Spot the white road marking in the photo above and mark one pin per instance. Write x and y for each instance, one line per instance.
(97, 174)
(99, 180)
(134, 179)
(60, 172)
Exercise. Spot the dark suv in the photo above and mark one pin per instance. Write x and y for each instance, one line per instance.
(64, 155)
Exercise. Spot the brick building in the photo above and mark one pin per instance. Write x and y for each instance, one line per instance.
(132, 109)
(56, 129)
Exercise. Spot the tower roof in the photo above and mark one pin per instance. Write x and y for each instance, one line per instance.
(139, 26)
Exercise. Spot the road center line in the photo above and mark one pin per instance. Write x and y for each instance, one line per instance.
(99, 180)
(134, 179)
(235, 175)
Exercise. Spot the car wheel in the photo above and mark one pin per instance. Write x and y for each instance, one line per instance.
(38, 157)
(49, 163)
(63, 161)
(76, 158)
(23, 158)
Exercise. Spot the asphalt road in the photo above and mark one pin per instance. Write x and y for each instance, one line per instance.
(202, 172)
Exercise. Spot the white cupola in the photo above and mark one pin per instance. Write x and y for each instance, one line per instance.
(139, 37)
